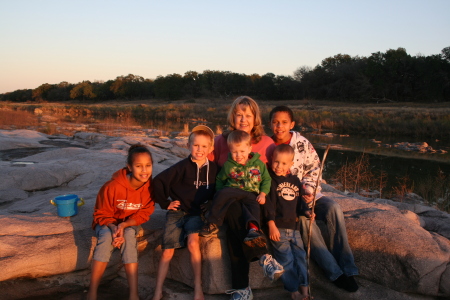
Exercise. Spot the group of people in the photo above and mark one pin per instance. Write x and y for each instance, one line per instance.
(262, 187)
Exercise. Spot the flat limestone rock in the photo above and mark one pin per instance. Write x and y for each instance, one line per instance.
(399, 256)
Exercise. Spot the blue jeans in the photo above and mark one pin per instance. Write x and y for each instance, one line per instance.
(290, 253)
(178, 226)
(104, 248)
(338, 258)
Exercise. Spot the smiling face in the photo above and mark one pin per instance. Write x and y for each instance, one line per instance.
(282, 162)
(281, 124)
(240, 151)
(244, 119)
(200, 146)
(141, 169)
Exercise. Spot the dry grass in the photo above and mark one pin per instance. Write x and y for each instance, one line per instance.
(359, 175)
(21, 119)
(391, 119)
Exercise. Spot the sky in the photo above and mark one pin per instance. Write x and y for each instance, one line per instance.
(49, 41)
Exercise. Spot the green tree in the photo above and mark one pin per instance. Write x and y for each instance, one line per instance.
(60, 92)
(446, 53)
(131, 87)
(169, 87)
(17, 96)
(191, 85)
(102, 90)
(301, 71)
(40, 93)
(83, 90)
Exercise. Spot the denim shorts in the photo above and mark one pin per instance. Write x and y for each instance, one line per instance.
(178, 226)
(104, 248)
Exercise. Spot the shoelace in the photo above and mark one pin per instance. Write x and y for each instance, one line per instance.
(267, 266)
(240, 292)
(271, 266)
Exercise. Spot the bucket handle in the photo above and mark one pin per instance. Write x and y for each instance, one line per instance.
(79, 203)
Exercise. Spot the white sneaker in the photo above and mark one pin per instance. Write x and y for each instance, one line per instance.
(241, 294)
(271, 267)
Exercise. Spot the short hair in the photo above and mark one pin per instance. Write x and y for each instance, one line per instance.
(281, 108)
(239, 136)
(257, 131)
(284, 148)
(202, 130)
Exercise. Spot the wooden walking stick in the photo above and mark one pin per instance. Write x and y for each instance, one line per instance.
(311, 219)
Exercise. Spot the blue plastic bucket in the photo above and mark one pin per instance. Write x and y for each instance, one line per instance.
(67, 205)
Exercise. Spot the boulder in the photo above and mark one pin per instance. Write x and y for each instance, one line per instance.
(12, 139)
(393, 250)
(402, 250)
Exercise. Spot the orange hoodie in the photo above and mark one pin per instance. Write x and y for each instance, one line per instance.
(117, 201)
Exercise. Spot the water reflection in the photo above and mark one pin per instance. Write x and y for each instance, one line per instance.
(395, 162)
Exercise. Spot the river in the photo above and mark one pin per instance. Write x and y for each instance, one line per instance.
(396, 163)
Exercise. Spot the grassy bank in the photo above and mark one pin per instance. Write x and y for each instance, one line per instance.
(391, 119)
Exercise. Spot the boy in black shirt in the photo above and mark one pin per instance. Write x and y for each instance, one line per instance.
(283, 206)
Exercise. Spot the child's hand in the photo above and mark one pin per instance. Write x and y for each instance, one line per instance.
(118, 238)
(310, 215)
(174, 205)
(274, 233)
(307, 193)
(118, 241)
(308, 198)
(261, 199)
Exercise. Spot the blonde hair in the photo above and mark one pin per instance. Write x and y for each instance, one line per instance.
(239, 136)
(284, 148)
(200, 132)
(257, 131)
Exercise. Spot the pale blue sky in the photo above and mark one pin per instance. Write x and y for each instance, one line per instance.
(49, 41)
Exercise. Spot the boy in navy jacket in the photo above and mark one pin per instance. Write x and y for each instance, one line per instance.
(181, 189)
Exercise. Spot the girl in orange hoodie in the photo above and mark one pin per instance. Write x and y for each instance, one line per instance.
(123, 203)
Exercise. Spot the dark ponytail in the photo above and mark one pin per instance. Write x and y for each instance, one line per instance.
(136, 149)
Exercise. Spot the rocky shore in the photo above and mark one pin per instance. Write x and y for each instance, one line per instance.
(402, 250)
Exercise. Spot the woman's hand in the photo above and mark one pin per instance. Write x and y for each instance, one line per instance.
(174, 205)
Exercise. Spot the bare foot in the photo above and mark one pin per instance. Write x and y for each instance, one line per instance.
(304, 293)
(296, 296)
(198, 294)
(157, 296)
(91, 295)
(134, 297)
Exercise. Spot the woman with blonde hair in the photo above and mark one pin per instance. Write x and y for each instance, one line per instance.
(245, 115)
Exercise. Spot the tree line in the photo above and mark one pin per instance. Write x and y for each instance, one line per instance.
(390, 76)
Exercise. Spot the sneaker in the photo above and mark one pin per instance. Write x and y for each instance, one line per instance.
(208, 229)
(347, 283)
(259, 242)
(252, 234)
(271, 267)
(241, 294)
(352, 286)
